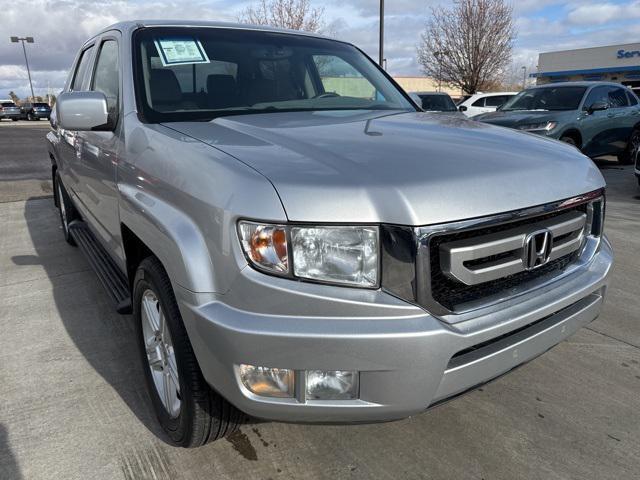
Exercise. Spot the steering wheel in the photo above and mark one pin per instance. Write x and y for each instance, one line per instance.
(326, 95)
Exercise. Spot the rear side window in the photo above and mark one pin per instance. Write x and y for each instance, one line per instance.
(618, 98)
(341, 78)
(81, 69)
(495, 101)
(106, 78)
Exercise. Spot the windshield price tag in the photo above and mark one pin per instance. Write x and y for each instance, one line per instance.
(180, 51)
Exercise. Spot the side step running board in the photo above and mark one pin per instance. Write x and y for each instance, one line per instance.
(108, 272)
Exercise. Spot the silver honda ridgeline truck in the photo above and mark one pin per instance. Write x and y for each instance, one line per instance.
(297, 242)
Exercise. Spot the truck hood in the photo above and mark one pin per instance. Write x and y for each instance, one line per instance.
(516, 118)
(397, 167)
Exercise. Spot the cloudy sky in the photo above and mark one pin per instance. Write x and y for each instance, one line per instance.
(61, 26)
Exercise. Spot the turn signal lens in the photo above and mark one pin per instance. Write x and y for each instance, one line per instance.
(265, 246)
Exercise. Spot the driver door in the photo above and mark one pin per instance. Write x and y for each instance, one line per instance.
(595, 126)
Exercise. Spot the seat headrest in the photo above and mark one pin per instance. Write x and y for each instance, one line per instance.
(164, 86)
(222, 91)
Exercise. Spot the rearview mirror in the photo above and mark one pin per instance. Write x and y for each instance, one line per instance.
(598, 106)
(83, 111)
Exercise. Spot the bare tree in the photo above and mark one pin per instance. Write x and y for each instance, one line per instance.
(468, 45)
(292, 14)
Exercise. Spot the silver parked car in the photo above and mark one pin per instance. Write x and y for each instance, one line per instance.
(297, 242)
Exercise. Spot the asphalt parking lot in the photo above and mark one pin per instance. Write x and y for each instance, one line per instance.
(73, 403)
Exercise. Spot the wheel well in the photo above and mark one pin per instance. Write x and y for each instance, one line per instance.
(135, 251)
(575, 135)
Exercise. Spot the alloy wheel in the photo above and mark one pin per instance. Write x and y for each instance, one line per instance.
(63, 210)
(160, 353)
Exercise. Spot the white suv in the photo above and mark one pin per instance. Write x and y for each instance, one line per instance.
(484, 102)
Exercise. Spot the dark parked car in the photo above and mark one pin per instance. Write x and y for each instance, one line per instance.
(35, 111)
(9, 110)
(600, 118)
(438, 102)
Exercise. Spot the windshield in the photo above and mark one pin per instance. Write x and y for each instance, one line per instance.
(185, 74)
(437, 103)
(8, 104)
(41, 105)
(546, 98)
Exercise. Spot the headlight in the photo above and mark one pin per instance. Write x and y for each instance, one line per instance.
(537, 127)
(344, 255)
(347, 255)
(595, 217)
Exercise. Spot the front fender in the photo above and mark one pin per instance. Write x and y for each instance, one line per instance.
(171, 235)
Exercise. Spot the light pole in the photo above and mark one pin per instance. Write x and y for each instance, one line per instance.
(381, 49)
(524, 78)
(28, 40)
(438, 55)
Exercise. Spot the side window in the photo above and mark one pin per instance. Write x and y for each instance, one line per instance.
(495, 101)
(106, 78)
(339, 77)
(618, 98)
(598, 94)
(633, 100)
(479, 102)
(81, 69)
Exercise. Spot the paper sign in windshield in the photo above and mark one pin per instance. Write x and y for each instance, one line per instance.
(180, 51)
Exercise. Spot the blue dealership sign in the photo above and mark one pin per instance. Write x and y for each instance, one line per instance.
(628, 53)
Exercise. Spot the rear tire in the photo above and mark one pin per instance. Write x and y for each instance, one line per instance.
(189, 411)
(15, 119)
(631, 151)
(68, 212)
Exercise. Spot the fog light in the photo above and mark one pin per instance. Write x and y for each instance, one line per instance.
(267, 382)
(332, 385)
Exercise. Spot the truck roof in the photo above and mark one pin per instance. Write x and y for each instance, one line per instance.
(131, 25)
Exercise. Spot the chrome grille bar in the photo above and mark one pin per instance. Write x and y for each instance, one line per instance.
(490, 257)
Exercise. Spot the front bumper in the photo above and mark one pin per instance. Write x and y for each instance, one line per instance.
(408, 359)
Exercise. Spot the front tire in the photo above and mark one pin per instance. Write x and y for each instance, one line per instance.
(68, 212)
(189, 411)
(631, 151)
(569, 140)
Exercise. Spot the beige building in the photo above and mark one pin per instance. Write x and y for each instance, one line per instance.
(425, 84)
(359, 87)
(615, 63)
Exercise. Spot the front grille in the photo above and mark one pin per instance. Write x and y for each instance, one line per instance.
(450, 293)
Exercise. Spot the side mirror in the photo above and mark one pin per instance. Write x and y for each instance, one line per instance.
(83, 111)
(462, 108)
(597, 106)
